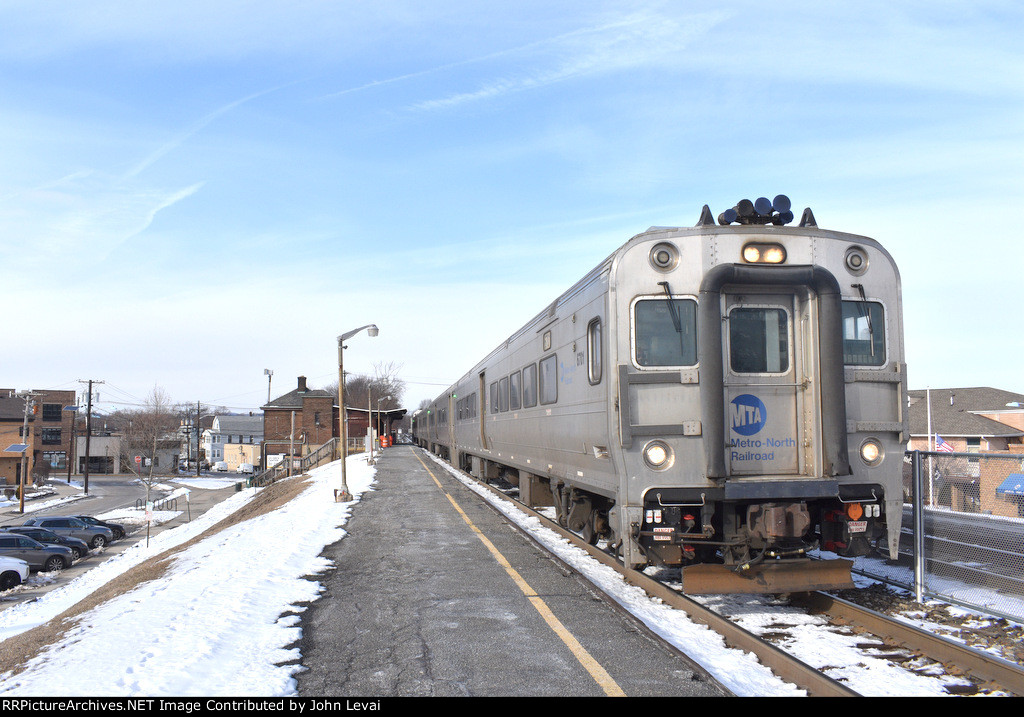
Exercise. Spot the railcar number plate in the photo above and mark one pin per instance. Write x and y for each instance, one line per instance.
(858, 526)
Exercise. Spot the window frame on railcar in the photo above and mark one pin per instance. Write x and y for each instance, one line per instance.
(690, 358)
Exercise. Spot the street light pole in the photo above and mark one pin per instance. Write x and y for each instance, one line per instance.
(343, 495)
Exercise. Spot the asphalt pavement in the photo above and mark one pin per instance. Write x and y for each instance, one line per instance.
(434, 594)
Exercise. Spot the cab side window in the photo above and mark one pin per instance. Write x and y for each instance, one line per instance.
(594, 351)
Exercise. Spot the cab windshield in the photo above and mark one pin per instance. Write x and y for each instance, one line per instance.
(665, 332)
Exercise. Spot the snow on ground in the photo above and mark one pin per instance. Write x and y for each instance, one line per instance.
(223, 618)
(35, 500)
(212, 625)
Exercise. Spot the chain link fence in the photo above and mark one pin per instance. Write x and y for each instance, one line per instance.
(963, 532)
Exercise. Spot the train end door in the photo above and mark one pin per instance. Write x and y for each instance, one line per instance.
(768, 370)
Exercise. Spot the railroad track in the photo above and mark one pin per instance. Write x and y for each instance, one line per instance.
(1006, 675)
(1001, 674)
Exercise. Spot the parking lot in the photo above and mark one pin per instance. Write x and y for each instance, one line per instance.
(199, 500)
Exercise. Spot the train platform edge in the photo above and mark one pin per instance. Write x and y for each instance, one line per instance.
(433, 594)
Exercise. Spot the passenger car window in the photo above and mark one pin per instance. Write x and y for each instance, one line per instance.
(863, 333)
(665, 332)
(549, 379)
(515, 391)
(503, 394)
(530, 386)
(758, 340)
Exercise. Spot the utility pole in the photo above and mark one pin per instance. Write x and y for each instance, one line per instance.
(28, 396)
(198, 408)
(88, 432)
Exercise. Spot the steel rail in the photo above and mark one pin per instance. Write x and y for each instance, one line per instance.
(1003, 673)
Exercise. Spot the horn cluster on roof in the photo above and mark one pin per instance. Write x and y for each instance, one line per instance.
(762, 211)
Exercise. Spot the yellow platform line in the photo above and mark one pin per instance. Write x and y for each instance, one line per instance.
(603, 679)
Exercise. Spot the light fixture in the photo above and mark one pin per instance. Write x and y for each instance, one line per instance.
(657, 455)
(764, 253)
(871, 452)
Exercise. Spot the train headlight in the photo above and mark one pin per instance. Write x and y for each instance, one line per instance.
(764, 253)
(658, 455)
(871, 452)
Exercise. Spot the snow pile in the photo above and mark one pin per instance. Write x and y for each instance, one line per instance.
(212, 625)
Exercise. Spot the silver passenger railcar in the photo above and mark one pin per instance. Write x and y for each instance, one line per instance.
(724, 397)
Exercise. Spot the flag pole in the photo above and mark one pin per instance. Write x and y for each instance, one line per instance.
(931, 451)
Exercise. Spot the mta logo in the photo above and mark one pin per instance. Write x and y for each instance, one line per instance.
(748, 414)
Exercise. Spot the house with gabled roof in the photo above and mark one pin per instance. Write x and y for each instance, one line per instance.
(227, 430)
(969, 419)
(981, 420)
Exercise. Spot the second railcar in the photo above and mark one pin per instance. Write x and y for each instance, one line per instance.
(727, 394)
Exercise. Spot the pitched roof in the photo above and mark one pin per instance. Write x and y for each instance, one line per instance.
(239, 424)
(293, 399)
(954, 411)
(13, 408)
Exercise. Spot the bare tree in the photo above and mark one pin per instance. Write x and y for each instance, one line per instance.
(145, 430)
(388, 384)
(363, 390)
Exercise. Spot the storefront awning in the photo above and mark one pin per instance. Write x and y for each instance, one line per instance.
(1013, 485)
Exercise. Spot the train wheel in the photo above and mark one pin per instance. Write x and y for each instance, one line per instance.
(596, 527)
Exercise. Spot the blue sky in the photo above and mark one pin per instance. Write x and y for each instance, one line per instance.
(193, 192)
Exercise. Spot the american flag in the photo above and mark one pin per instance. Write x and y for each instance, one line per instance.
(941, 445)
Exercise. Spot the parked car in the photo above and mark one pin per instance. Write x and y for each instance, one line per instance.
(95, 535)
(48, 537)
(13, 572)
(117, 529)
(39, 557)
(244, 468)
(220, 467)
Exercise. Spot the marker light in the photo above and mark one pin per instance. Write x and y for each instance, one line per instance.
(856, 260)
(871, 452)
(664, 256)
(764, 253)
(657, 455)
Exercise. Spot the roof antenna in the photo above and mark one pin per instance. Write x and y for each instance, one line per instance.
(807, 220)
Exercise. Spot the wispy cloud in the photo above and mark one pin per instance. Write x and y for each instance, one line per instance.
(84, 216)
(192, 130)
(80, 221)
(635, 40)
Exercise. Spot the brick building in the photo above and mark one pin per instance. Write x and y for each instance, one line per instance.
(316, 420)
(50, 433)
(54, 439)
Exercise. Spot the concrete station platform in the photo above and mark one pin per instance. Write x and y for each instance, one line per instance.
(421, 604)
